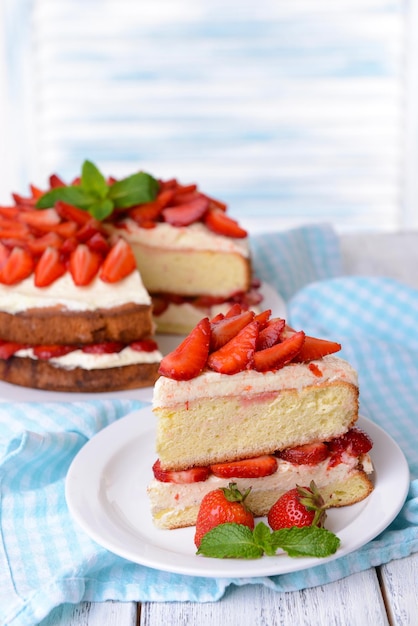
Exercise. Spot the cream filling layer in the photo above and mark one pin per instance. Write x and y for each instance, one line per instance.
(168, 497)
(87, 361)
(168, 392)
(193, 237)
(64, 293)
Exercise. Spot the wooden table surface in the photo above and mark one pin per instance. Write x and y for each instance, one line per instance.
(385, 595)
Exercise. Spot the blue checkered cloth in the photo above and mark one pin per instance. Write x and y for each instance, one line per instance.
(46, 560)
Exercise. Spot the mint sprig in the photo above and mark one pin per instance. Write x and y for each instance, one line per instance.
(238, 541)
(99, 198)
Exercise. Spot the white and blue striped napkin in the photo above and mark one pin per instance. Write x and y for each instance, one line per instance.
(47, 560)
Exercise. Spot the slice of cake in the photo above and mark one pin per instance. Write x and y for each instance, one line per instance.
(247, 398)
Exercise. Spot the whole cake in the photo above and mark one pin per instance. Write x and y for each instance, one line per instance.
(79, 261)
(247, 398)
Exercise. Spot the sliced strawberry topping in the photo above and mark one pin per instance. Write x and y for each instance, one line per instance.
(220, 223)
(40, 219)
(8, 348)
(49, 267)
(256, 467)
(262, 318)
(53, 351)
(99, 244)
(72, 213)
(314, 348)
(354, 442)
(18, 266)
(144, 345)
(187, 213)
(187, 476)
(84, 265)
(106, 347)
(280, 354)
(227, 328)
(189, 358)
(270, 334)
(56, 181)
(119, 263)
(237, 354)
(235, 309)
(307, 454)
(4, 254)
(89, 229)
(37, 245)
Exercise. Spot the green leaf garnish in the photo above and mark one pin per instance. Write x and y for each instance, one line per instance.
(136, 189)
(238, 541)
(99, 198)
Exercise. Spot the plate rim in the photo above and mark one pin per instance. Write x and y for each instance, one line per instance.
(110, 440)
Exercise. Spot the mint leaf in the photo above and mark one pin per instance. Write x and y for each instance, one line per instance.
(102, 209)
(73, 194)
(306, 541)
(263, 538)
(93, 181)
(230, 541)
(135, 189)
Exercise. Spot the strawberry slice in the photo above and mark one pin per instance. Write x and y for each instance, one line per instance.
(89, 229)
(235, 309)
(354, 442)
(146, 214)
(189, 358)
(44, 218)
(144, 345)
(4, 254)
(237, 354)
(314, 348)
(280, 354)
(9, 212)
(18, 266)
(187, 476)
(37, 245)
(72, 213)
(221, 224)
(56, 181)
(119, 262)
(270, 334)
(49, 267)
(46, 352)
(187, 213)
(262, 318)
(256, 467)
(98, 243)
(307, 454)
(105, 347)
(9, 348)
(227, 328)
(84, 265)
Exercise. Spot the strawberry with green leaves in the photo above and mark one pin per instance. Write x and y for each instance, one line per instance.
(301, 506)
(221, 506)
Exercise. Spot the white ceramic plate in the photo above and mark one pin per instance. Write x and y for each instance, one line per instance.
(106, 494)
(271, 300)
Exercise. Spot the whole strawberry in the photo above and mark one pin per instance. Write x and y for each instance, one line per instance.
(301, 506)
(221, 506)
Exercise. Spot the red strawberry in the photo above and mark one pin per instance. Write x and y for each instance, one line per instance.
(89, 229)
(8, 348)
(72, 213)
(221, 224)
(306, 454)
(301, 506)
(187, 213)
(119, 263)
(37, 245)
(256, 467)
(190, 475)
(49, 267)
(4, 254)
(280, 354)
(235, 309)
(146, 214)
(262, 318)
(270, 334)
(222, 506)
(99, 244)
(237, 354)
(84, 265)
(314, 348)
(46, 352)
(144, 345)
(227, 328)
(56, 181)
(18, 266)
(43, 219)
(355, 442)
(189, 358)
(106, 347)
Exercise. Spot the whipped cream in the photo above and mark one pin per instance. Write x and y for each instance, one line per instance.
(211, 384)
(88, 361)
(193, 237)
(169, 497)
(64, 293)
